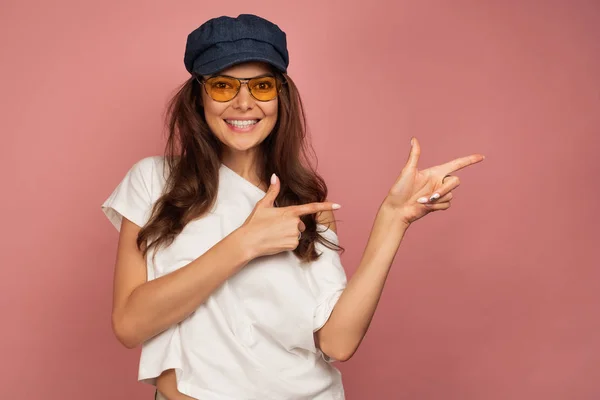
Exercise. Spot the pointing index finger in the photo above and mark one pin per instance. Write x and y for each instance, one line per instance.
(461, 163)
(313, 208)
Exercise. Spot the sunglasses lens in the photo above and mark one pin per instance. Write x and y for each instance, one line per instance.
(222, 88)
(263, 89)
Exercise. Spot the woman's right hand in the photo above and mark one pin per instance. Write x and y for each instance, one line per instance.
(270, 230)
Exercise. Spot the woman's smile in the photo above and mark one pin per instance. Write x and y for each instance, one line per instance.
(237, 125)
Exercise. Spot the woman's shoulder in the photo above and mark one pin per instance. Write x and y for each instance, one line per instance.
(151, 172)
(149, 164)
(152, 167)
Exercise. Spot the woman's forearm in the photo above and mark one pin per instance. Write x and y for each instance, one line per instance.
(341, 335)
(157, 304)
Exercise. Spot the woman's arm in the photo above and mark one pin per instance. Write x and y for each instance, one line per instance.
(144, 309)
(414, 194)
(342, 333)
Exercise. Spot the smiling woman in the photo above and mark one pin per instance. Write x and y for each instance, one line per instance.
(228, 271)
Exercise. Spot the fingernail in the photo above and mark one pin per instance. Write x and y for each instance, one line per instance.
(273, 179)
(335, 206)
(435, 196)
(422, 200)
(411, 141)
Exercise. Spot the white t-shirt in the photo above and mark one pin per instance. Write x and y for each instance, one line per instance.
(253, 337)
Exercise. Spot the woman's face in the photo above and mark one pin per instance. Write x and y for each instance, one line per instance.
(221, 116)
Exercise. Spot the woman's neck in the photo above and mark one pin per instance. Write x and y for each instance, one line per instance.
(247, 168)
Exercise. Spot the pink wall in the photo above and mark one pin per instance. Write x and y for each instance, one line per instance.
(496, 298)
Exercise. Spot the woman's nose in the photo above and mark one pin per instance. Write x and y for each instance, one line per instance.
(244, 99)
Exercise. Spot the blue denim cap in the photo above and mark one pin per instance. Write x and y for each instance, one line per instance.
(222, 42)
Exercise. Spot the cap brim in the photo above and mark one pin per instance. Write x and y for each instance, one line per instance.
(220, 64)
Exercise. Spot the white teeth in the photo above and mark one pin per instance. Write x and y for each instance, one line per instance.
(241, 124)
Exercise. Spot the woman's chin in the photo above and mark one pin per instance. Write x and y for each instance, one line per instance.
(243, 143)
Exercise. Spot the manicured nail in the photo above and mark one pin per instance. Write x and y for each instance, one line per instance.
(273, 179)
(336, 206)
(422, 200)
(435, 196)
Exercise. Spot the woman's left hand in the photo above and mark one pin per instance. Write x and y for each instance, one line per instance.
(411, 194)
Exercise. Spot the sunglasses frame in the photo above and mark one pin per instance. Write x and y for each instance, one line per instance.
(242, 81)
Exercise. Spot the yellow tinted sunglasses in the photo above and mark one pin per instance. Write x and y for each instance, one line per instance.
(224, 88)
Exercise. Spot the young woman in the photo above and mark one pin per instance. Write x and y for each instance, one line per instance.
(228, 271)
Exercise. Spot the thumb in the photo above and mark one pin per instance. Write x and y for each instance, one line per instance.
(272, 192)
(415, 152)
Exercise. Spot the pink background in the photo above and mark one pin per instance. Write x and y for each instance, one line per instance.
(496, 298)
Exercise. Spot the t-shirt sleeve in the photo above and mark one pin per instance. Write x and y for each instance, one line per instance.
(326, 277)
(132, 198)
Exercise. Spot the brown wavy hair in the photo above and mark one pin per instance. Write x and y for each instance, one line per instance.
(193, 158)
